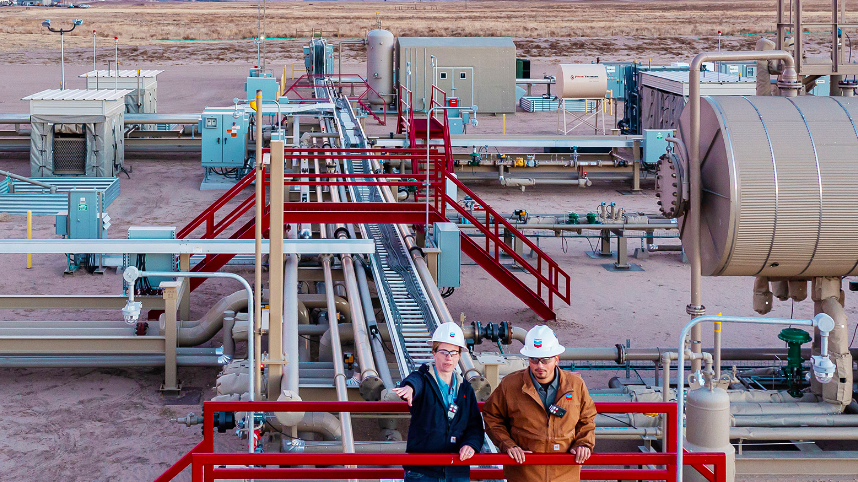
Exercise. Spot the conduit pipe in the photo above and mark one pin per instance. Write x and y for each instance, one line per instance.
(257, 257)
(375, 338)
(370, 383)
(788, 84)
(348, 444)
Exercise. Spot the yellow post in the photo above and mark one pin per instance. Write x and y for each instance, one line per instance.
(504, 124)
(29, 236)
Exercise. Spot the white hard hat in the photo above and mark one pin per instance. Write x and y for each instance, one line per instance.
(448, 333)
(540, 342)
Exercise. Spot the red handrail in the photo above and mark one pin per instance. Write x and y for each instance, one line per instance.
(552, 281)
(204, 461)
(207, 216)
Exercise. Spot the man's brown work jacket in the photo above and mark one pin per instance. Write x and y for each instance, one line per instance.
(514, 416)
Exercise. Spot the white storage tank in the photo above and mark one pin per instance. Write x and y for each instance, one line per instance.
(379, 64)
(582, 81)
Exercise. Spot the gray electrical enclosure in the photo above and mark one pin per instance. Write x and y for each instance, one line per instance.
(477, 70)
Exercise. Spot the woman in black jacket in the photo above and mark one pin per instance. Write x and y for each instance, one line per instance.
(445, 416)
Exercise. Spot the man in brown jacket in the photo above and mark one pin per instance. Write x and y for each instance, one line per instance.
(542, 410)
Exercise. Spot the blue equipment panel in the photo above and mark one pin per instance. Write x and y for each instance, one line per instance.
(447, 239)
(224, 137)
(741, 69)
(616, 79)
(654, 144)
(83, 220)
(823, 88)
(267, 84)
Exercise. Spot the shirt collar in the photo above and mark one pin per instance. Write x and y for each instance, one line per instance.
(555, 384)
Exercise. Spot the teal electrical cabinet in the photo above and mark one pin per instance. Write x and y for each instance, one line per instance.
(654, 144)
(224, 137)
(266, 83)
(447, 239)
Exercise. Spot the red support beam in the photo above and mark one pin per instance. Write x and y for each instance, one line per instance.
(358, 213)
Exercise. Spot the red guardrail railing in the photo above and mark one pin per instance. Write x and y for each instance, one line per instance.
(495, 244)
(204, 461)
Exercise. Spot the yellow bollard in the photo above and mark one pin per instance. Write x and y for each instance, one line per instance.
(29, 236)
(504, 124)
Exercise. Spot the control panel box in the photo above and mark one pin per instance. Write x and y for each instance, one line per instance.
(224, 137)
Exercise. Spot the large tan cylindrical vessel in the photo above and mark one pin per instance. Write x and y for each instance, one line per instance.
(379, 64)
(582, 81)
(778, 177)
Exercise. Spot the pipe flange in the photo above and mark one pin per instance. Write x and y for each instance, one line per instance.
(621, 354)
(695, 310)
(505, 333)
(419, 250)
(341, 230)
(670, 186)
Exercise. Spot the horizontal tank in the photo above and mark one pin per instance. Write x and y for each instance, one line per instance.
(379, 64)
(582, 81)
(778, 177)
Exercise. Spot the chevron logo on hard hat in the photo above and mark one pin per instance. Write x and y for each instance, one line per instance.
(537, 343)
(452, 335)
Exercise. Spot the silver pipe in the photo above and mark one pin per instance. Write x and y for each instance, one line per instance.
(112, 361)
(793, 433)
(132, 272)
(290, 322)
(375, 340)
(680, 384)
(31, 181)
(695, 307)
(795, 421)
(348, 444)
(371, 384)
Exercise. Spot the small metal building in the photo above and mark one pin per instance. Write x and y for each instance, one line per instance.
(77, 132)
(141, 84)
(663, 94)
(477, 70)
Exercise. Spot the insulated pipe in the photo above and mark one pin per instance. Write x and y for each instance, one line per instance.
(325, 424)
(789, 78)
(795, 421)
(112, 361)
(370, 385)
(839, 391)
(375, 338)
(793, 433)
(320, 301)
(529, 181)
(290, 323)
(258, 207)
(348, 444)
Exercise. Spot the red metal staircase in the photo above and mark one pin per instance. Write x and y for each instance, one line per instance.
(550, 279)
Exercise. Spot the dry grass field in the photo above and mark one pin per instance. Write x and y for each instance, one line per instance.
(612, 29)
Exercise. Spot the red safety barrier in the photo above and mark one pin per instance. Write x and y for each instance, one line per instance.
(206, 465)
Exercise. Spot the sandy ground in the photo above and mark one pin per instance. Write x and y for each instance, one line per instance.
(112, 424)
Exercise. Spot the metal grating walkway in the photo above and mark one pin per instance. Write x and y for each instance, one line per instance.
(404, 301)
